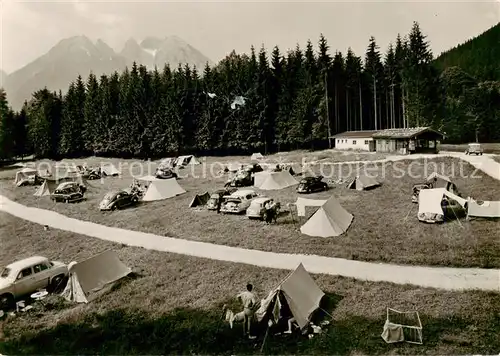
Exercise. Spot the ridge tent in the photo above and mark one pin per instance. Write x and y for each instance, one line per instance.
(298, 292)
(256, 156)
(167, 162)
(440, 181)
(109, 169)
(363, 182)
(331, 219)
(92, 275)
(24, 173)
(199, 199)
(302, 203)
(430, 204)
(483, 209)
(160, 189)
(185, 160)
(274, 180)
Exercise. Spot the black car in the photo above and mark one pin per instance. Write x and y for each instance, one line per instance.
(312, 184)
(254, 168)
(90, 173)
(165, 173)
(117, 200)
(68, 192)
(242, 178)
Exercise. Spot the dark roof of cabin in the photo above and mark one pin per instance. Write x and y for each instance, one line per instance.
(355, 134)
(405, 133)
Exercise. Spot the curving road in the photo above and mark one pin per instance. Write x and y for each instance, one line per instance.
(435, 277)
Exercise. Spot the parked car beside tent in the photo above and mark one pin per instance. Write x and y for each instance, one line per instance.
(311, 184)
(163, 172)
(28, 276)
(68, 192)
(258, 207)
(117, 200)
(218, 195)
(238, 202)
(242, 178)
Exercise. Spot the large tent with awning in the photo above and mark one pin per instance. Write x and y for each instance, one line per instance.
(24, 173)
(430, 204)
(298, 293)
(274, 180)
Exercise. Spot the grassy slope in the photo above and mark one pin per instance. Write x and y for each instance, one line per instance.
(174, 307)
(385, 227)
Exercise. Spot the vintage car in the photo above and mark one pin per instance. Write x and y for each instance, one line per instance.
(258, 207)
(28, 276)
(218, 195)
(311, 184)
(253, 168)
(117, 200)
(238, 202)
(474, 149)
(242, 178)
(163, 172)
(90, 173)
(68, 192)
(30, 180)
(417, 188)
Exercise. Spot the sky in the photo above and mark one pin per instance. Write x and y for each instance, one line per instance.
(30, 29)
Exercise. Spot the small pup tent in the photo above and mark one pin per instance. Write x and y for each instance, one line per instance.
(199, 200)
(298, 292)
(430, 204)
(274, 180)
(185, 160)
(302, 203)
(109, 169)
(483, 209)
(92, 275)
(402, 326)
(256, 156)
(160, 189)
(363, 182)
(331, 219)
(24, 173)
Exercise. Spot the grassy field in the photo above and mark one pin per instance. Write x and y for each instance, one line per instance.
(385, 227)
(487, 147)
(173, 306)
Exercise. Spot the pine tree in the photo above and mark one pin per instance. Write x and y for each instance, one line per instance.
(92, 117)
(7, 127)
(373, 68)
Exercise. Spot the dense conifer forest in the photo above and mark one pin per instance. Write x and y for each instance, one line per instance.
(265, 101)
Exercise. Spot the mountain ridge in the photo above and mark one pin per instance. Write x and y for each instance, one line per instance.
(78, 55)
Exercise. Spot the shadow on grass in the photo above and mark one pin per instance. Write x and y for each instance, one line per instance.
(191, 331)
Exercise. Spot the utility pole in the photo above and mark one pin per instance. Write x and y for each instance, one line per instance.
(327, 112)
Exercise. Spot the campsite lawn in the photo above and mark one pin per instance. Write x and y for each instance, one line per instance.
(173, 306)
(385, 226)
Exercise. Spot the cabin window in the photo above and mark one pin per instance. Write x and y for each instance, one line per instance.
(367, 142)
(338, 141)
(353, 142)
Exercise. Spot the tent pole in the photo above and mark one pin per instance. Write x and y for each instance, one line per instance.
(411, 209)
(265, 338)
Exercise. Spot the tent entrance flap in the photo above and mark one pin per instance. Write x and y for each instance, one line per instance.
(302, 295)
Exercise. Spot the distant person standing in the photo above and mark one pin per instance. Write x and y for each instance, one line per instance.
(219, 204)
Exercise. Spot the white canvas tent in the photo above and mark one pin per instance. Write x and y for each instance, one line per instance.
(299, 293)
(49, 185)
(109, 169)
(24, 173)
(160, 189)
(92, 275)
(302, 203)
(274, 180)
(429, 200)
(483, 209)
(439, 181)
(167, 162)
(256, 156)
(363, 182)
(185, 160)
(331, 219)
